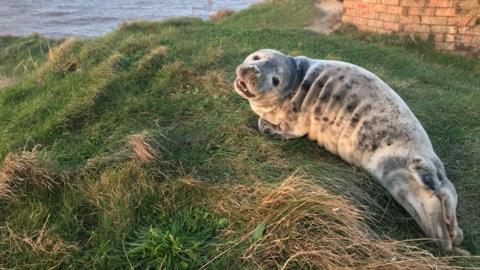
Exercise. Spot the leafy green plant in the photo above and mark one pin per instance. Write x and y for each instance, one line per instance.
(183, 240)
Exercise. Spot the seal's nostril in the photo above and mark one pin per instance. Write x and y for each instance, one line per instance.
(249, 71)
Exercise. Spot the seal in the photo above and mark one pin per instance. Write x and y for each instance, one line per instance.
(354, 114)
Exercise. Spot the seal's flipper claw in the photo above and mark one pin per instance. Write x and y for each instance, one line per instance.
(444, 209)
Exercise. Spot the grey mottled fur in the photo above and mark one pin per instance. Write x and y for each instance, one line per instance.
(354, 114)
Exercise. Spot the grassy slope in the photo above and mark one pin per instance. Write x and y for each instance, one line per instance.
(170, 84)
(22, 55)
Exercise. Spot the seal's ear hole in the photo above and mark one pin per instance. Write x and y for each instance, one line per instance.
(275, 81)
(256, 57)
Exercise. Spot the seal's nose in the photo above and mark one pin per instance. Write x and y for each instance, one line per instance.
(247, 71)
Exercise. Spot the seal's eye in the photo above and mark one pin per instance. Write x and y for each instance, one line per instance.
(275, 81)
(256, 57)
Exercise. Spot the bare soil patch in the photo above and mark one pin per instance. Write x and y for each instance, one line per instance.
(330, 16)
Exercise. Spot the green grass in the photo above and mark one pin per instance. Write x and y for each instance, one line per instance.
(181, 241)
(122, 122)
(20, 56)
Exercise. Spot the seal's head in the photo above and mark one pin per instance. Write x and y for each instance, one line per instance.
(265, 74)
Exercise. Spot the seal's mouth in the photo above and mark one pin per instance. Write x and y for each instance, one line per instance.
(242, 87)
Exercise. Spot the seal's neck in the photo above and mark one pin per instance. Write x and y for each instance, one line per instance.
(299, 68)
(271, 111)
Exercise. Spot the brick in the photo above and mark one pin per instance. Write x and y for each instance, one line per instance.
(412, 3)
(379, 8)
(421, 11)
(410, 20)
(440, 3)
(445, 46)
(391, 26)
(476, 40)
(366, 28)
(438, 38)
(351, 12)
(465, 39)
(367, 14)
(375, 23)
(466, 4)
(469, 30)
(449, 38)
(388, 17)
(394, 10)
(417, 28)
(360, 21)
(452, 21)
(347, 18)
(424, 36)
(434, 20)
(371, 1)
(463, 30)
(349, 3)
(382, 31)
(361, 5)
(465, 20)
(447, 12)
(443, 29)
(391, 2)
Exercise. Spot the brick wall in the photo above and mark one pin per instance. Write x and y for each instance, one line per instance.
(450, 24)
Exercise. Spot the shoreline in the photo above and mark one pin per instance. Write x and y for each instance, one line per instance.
(82, 20)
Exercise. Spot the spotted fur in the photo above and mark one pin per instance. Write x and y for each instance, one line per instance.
(354, 114)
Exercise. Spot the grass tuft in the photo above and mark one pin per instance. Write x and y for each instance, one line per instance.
(300, 225)
(43, 246)
(61, 59)
(143, 145)
(24, 172)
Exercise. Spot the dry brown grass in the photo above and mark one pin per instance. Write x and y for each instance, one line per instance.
(41, 243)
(23, 170)
(145, 147)
(141, 148)
(221, 14)
(61, 59)
(305, 227)
(57, 53)
(4, 81)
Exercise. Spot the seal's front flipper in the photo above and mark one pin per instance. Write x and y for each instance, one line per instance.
(267, 128)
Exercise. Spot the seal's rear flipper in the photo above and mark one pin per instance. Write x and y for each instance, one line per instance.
(421, 203)
(431, 174)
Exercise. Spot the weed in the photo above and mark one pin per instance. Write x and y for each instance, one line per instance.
(183, 240)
